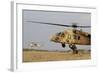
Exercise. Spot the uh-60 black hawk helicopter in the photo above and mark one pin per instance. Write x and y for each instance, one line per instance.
(72, 36)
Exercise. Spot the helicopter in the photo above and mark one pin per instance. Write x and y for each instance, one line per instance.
(34, 45)
(72, 37)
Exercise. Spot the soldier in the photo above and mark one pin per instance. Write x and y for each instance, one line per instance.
(74, 48)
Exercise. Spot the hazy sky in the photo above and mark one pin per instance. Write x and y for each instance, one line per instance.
(41, 32)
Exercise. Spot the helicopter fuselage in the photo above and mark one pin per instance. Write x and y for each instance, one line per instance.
(72, 36)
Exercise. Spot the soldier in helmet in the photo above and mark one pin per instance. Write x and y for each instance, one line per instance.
(74, 48)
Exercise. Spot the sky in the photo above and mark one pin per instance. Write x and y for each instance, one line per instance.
(40, 33)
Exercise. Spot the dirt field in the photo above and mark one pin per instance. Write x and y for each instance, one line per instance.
(38, 55)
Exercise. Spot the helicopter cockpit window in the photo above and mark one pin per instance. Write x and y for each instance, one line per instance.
(58, 33)
(62, 34)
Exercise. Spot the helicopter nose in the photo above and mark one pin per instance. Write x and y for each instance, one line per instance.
(54, 38)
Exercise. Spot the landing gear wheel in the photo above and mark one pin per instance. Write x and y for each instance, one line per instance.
(63, 45)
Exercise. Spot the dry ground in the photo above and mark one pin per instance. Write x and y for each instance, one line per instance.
(38, 55)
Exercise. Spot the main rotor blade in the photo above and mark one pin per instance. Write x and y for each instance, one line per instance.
(74, 26)
(49, 23)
